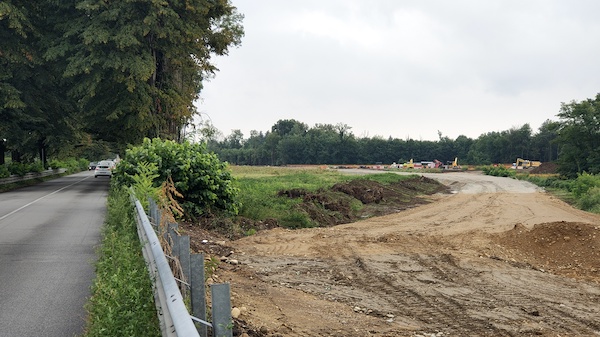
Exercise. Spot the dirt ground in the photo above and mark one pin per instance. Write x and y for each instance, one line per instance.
(496, 257)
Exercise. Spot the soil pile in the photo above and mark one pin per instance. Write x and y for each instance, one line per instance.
(562, 248)
(493, 263)
(545, 168)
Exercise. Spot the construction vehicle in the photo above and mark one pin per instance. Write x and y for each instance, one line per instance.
(452, 165)
(521, 164)
(409, 165)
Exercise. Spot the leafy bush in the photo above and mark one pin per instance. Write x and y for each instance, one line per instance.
(72, 165)
(584, 192)
(4, 172)
(204, 181)
(590, 201)
(19, 169)
(498, 171)
(56, 164)
(584, 183)
(35, 167)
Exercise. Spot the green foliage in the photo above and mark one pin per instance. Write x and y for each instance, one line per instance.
(590, 201)
(578, 136)
(204, 181)
(72, 165)
(290, 142)
(143, 183)
(138, 65)
(584, 183)
(260, 188)
(122, 302)
(4, 172)
(498, 171)
(387, 178)
(35, 167)
(552, 182)
(296, 220)
(583, 192)
(19, 169)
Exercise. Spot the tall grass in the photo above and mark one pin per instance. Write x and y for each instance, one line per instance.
(122, 302)
(259, 187)
(582, 192)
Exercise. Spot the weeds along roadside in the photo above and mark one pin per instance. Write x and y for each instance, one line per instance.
(260, 188)
(122, 302)
(582, 192)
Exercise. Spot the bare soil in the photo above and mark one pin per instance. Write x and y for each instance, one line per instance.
(496, 257)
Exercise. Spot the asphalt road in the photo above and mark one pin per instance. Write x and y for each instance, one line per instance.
(48, 236)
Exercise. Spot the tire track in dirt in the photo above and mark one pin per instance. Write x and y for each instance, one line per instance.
(435, 311)
(435, 269)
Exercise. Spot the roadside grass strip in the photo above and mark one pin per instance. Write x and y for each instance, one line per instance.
(122, 303)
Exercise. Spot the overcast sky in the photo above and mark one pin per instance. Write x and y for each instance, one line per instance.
(406, 69)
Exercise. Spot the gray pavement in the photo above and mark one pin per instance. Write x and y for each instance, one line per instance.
(48, 236)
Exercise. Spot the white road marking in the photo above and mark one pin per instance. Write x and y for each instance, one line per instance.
(38, 199)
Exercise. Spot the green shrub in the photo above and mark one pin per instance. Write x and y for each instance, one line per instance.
(204, 181)
(72, 165)
(56, 164)
(590, 201)
(4, 172)
(19, 169)
(498, 171)
(35, 167)
(584, 183)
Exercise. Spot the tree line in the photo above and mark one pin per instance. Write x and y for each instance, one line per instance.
(573, 142)
(88, 76)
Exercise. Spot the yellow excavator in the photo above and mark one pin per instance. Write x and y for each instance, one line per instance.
(452, 165)
(526, 164)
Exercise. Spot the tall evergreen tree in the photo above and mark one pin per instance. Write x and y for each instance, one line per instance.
(138, 65)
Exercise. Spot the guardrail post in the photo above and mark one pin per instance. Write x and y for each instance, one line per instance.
(171, 237)
(184, 257)
(221, 310)
(198, 292)
(155, 213)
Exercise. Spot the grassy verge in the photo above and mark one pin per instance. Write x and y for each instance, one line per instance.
(582, 192)
(122, 303)
(260, 188)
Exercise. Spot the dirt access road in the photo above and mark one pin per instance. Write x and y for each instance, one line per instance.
(498, 257)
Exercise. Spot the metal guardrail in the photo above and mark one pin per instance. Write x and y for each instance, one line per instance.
(14, 178)
(174, 317)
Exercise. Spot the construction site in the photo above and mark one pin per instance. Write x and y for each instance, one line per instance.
(483, 256)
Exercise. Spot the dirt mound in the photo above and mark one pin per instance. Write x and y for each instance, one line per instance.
(545, 168)
(361, 198)
(563, 248)
(472, 264)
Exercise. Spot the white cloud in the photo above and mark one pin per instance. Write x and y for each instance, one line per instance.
(398, 68)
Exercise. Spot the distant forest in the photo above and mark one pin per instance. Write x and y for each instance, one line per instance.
(292, 142)
(573, 142)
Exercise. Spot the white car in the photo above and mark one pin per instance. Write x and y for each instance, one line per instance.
(104, 168)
